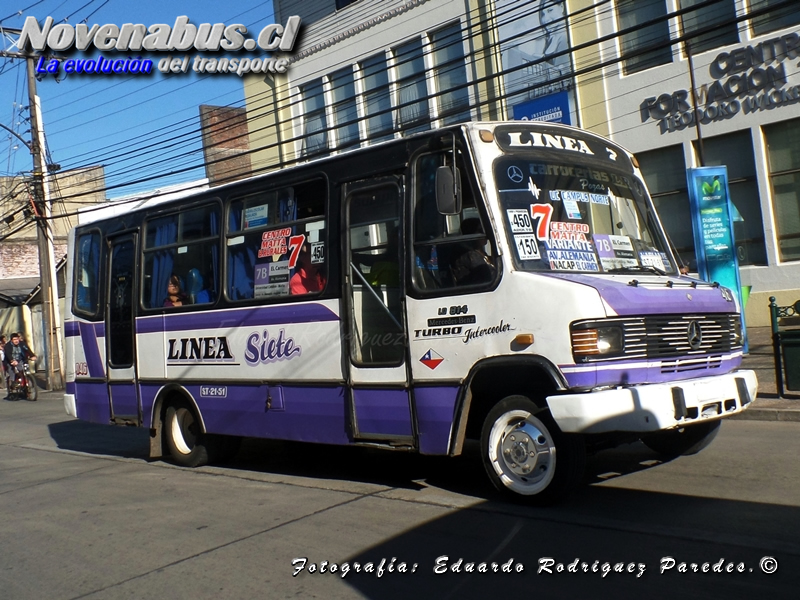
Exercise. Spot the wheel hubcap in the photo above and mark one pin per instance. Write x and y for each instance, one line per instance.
(183, 430)
(522, 452)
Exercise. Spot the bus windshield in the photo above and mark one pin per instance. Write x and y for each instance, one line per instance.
(579, 218)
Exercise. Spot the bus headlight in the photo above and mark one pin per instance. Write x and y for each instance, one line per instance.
(589, 341)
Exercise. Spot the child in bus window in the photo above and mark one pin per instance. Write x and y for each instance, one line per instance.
(175, 296)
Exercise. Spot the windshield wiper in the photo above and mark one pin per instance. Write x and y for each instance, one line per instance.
(637, 269)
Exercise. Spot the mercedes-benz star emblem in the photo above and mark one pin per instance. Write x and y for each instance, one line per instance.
(694, 335)
(515, 174)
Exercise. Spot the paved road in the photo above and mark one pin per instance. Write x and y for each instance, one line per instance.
(84, 514)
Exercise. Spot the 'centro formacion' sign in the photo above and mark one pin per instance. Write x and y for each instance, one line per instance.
(746, 80)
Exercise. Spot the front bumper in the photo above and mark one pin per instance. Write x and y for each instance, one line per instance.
(653, 407)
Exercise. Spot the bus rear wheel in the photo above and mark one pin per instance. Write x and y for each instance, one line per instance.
(185, 439)
(526, 455)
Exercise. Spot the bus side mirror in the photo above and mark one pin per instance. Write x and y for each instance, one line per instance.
(448, 191)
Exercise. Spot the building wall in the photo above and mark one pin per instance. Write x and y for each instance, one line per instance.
(345, 37)
(225, 143)
(70, 191)
(609, 101)
(631, 124)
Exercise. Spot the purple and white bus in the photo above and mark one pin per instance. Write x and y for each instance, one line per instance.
(504, 282)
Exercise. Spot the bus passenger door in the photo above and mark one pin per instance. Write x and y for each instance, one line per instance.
(120, 331)
(380, 407)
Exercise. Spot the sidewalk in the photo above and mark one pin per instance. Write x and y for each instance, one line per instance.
(768, 406)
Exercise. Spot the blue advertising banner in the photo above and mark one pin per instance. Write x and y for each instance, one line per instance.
(712, 224)
(553, 108)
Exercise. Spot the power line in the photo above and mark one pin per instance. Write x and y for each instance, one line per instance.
(589, 69)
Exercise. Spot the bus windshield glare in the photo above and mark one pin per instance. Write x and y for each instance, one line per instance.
(578, 218)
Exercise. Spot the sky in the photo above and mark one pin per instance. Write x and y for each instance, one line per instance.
(113, 120)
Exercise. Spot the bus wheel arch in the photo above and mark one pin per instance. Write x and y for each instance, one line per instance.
(178, 428)
(493, 379)
(523, 451)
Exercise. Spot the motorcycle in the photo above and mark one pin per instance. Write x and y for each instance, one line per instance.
(24, 386)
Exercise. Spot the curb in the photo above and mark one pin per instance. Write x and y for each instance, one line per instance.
(788, 415)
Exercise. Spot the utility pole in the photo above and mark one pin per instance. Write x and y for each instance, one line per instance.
(51, 315)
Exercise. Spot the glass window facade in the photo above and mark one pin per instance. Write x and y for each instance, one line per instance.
(783, 155)
(716, 21)
(450, 75)
(664, 172)
(775, 18)
(647, 45)
(315, 122)
(412, 90)
(345, 114)
(377, 97)
(392, 96)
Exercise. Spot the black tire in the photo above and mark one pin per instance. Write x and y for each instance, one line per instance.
(683, 442)
(31, 389)
(543, 465)
(185, 439)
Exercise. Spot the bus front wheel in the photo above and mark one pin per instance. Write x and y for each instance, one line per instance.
(526, 454)
(185, 439)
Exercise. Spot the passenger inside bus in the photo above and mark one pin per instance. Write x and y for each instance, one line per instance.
(307, 277)
(175, 295)
(472, 265)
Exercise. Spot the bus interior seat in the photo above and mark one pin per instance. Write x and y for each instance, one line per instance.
(197, 294)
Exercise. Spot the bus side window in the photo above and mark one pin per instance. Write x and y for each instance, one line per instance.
(454, 250)
(184, 245)
(276, 242)
(87, 268)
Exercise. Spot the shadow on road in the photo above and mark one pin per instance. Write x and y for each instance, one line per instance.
(110, 440)
(598, 528)
(564, 551)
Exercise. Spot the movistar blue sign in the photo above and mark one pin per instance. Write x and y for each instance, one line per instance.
(712, 223)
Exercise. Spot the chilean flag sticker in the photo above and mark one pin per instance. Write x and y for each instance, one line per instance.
(431, 359)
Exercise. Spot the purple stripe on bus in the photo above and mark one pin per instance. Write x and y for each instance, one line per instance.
(643, 299)
(100, 329)
(71, 329)
(91, 402)
(308, 415)
(91, 350)
(70, 388)
(124, 399)
(435, 414)
(242, 317)
(642, 373)
(382, 412)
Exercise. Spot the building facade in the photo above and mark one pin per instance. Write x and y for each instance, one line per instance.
(70, 191)
(681, 83)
